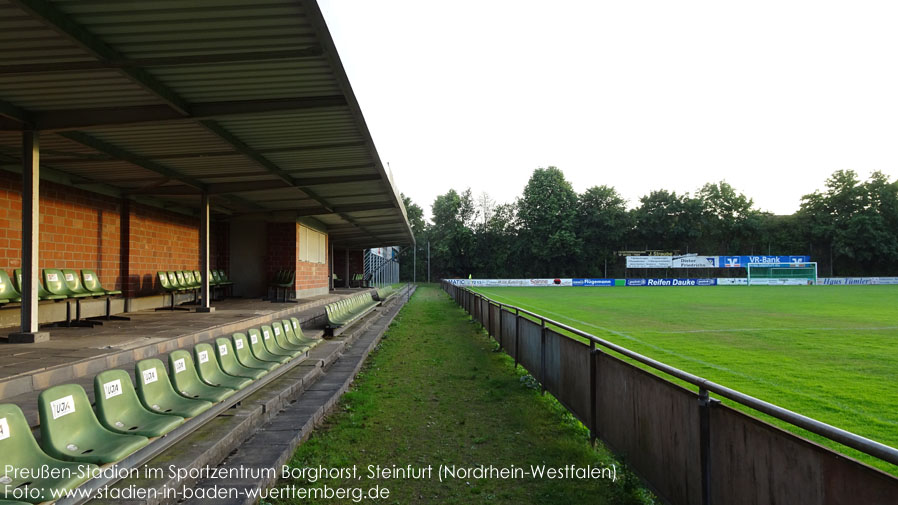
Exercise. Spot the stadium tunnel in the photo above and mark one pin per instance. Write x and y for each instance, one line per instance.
(147, 136)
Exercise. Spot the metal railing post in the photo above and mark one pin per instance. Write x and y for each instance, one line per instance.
(489, 319)
(499, 339)
(542, 358)
(705, 402)
(517, 333)
(593, 377)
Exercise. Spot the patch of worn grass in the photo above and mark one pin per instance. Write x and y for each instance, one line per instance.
(828, 352)
(436, 392)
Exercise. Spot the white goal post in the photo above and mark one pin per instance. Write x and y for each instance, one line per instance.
(782, 274)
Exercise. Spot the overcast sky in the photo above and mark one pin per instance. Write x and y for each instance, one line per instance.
(770, 96)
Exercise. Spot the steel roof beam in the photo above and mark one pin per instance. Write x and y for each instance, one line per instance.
(81, 119)
(134, 159)
(317, 211)
(59, 21)
(17, 114)
(169, 61)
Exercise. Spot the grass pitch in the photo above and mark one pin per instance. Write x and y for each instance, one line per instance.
(828, 352)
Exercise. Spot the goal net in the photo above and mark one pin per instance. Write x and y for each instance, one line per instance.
(782, 274)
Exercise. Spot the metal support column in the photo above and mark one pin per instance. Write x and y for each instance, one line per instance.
(206, 305)
(330, 264)
(348, 284)
(30, 240)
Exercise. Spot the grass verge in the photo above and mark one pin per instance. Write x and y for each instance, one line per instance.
(434, 392)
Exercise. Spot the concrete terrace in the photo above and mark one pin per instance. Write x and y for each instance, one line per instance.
(77, 354)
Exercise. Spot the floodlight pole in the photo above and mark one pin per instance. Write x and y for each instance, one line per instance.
(414, 263)
(428, 262)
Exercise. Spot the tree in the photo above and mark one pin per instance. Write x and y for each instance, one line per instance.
(604, 223)
(665, 220)
(451, 236)
(419, 229)
(730, 219)
(548, 216)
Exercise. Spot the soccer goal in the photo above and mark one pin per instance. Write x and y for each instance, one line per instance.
(782, 274)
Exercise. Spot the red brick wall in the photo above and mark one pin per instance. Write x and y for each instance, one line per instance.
(310, 275)
(281, 248)
(159, 240)
(78, 229)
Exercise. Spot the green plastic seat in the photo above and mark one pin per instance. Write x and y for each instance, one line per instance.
(245, 354)
(214, 277)
(280, 337)
(223, 277)
(70, 429)
(21, 452)
(8, 293)
(210, 371)
(224, 351)
(42, 294)
(186, 381)
(12, 502)
(156, 392)
(55, 283)
(295, 335)
(272, 345)
(73, 282)
(173, 281)
(260, 351)
(91, 282)
(165, 283)
(119, 409)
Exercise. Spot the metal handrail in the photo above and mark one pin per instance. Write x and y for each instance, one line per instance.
(844, 437)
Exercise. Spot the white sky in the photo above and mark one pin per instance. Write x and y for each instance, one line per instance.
(771, 96)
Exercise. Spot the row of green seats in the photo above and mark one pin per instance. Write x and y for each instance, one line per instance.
(283, 279)
(60, 284)
(385, 293)
(128, 418)
(181, 281)
(348, 310)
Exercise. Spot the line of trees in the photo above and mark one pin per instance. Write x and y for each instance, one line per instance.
(850, 228)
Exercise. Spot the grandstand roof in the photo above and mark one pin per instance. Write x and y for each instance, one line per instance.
(245, 100)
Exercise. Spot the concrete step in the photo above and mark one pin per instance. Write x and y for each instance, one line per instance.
(34, 378)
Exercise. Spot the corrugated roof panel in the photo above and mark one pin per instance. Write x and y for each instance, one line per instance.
(158, 140)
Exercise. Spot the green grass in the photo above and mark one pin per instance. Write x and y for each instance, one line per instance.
(436, 392)
(828, 352)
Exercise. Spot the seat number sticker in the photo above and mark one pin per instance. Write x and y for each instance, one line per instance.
(112, 388)
(4, 429)
(180, 366)
(204, 356)
(62, 407)
(267, 336)
(294, 325)
(254, 339)
(277, 331)
(223, 350)
(149, 376)
(52, 277)
(239, 343)
(88, 277)
(69, 277)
